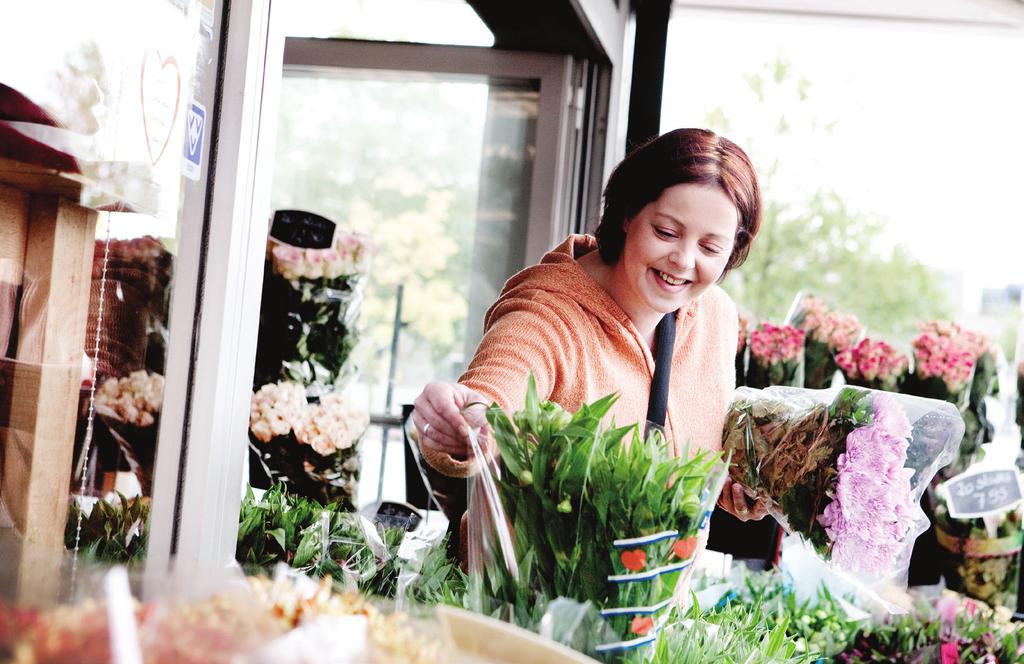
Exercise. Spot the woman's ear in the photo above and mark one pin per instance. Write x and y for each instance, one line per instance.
(626, 224)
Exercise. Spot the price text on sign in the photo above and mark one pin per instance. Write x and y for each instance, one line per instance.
(302, 229)
(988, 492)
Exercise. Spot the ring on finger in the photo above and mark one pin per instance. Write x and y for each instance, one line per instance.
(426, 428)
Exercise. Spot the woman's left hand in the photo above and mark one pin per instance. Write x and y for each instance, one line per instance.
(734, 500)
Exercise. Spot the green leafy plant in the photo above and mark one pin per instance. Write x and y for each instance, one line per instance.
(572, 486)
(111, 532)
(322, 541)
(739, 633)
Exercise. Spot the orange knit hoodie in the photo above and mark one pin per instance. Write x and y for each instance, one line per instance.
(554, 319)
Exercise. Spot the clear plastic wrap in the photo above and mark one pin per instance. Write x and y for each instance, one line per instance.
(577, 509)
(844, 469)
(311, 301)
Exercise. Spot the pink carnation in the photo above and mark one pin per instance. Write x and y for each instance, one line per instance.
(872, 508)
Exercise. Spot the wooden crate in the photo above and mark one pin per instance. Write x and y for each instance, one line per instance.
(39, 388)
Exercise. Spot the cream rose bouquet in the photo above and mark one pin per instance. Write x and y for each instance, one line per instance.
(129, 408)
(313, 447)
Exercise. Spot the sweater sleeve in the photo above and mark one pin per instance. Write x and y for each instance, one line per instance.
(522, 335)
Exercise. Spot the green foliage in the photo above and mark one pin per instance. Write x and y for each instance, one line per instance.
(111, 532)
(321, 541)
(738, 633)
(572, 485)
(811, 239)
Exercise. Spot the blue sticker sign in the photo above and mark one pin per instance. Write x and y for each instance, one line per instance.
(195, 130)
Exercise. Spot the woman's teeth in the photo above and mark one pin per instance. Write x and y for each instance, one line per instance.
(669, 279)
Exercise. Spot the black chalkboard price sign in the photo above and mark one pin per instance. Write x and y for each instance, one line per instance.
(975, 494)
(302, 229)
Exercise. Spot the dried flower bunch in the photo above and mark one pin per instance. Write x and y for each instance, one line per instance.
(873, 363)
(135, 399)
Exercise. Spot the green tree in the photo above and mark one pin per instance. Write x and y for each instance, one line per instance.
(810, 239)
(378, 156)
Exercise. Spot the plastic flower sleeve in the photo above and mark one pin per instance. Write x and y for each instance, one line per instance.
(311, 301)
(844, 469)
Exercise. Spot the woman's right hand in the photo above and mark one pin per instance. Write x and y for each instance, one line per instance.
(442, 420)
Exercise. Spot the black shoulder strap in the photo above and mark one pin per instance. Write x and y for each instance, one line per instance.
(665, 341)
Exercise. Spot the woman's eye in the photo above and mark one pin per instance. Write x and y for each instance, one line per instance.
(663, 233)
(712, 249)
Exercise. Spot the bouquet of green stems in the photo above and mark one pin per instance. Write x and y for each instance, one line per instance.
(597, 513)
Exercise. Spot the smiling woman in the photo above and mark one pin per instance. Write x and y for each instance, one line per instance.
(635, 310)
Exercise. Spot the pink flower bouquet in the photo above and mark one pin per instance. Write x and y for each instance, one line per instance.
(776, 356)
(827, 332)
(943, 364)
(313, 447)
(843, 469)
(873, 364)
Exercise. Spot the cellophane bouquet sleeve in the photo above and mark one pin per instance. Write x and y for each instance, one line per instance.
(843, 469)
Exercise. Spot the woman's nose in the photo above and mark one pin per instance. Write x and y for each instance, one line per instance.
(684, 256)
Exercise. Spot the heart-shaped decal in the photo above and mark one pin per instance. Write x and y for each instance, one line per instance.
(160, 92)
(641, 625)
(684, 548)
(634, 560)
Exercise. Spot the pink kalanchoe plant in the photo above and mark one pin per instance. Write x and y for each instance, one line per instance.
(873, 363)
(828, 331)
(776, 356)
(944, 357)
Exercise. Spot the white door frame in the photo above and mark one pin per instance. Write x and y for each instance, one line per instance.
(215, 304)
(547, 224)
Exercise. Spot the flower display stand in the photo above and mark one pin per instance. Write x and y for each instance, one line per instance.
(51, 237)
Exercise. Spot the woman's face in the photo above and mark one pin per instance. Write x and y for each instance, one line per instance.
(676, 248)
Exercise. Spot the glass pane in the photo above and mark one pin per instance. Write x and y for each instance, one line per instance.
(436, 172)
(420, 21)
(102, 96)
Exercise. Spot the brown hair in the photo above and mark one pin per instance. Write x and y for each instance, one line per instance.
(682, 156)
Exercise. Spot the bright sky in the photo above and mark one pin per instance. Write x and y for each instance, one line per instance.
(929, 133)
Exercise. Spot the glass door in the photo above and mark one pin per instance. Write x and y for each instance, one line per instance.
(447, 159)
